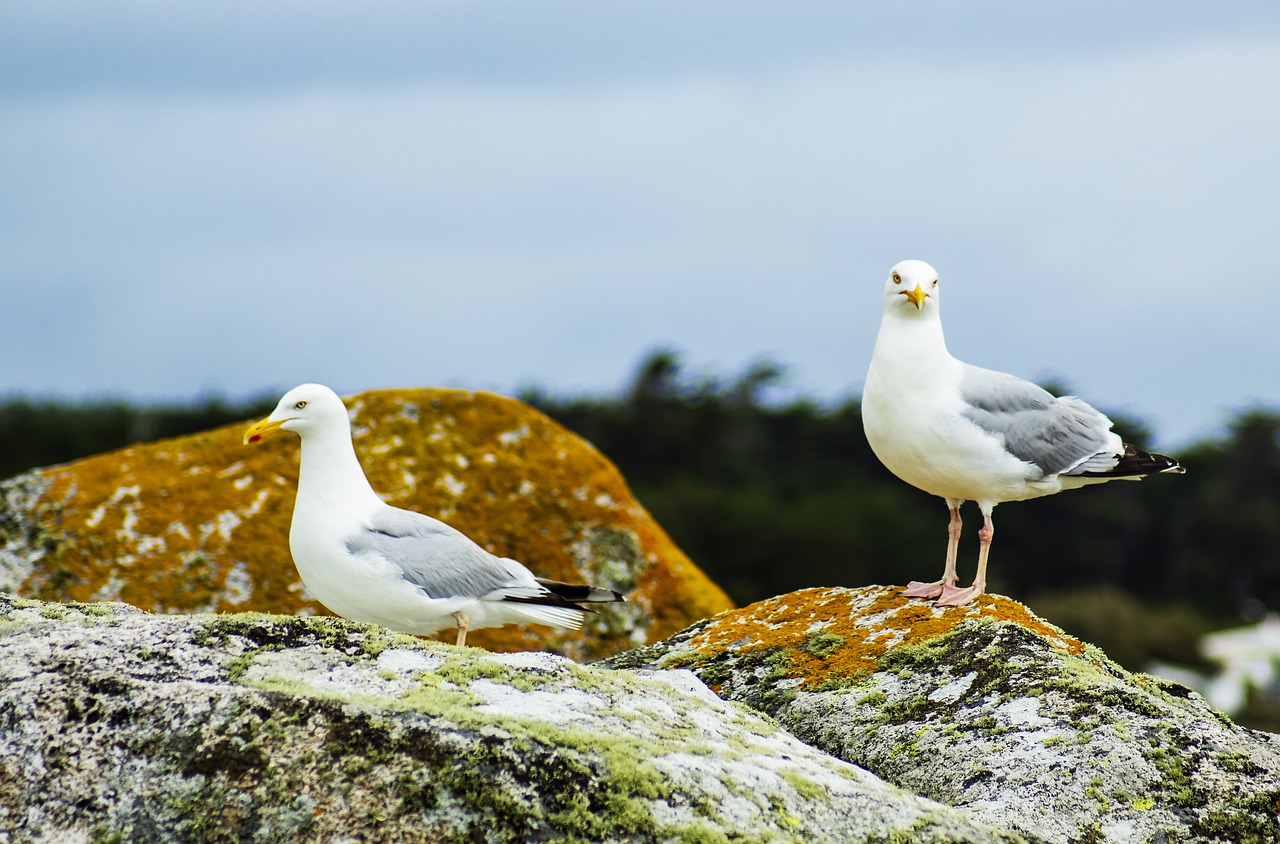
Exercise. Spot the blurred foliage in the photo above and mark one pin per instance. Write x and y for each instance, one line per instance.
(46, 432)
(1131, 631)
(771, 496)
(1261, 713)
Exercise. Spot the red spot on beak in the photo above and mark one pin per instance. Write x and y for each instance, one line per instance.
(255, 438)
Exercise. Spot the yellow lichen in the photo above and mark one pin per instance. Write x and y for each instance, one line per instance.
(859, 627)
(163, 525)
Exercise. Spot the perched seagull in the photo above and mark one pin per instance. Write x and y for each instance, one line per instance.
(375, 563)
(971, 434)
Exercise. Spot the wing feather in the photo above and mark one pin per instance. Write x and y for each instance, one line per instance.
(445, 563)
(1058, 435)
(437, 558)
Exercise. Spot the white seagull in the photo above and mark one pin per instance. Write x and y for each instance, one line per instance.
(371, 562)
(971, 434)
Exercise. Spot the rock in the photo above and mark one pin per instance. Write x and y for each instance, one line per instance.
(201, 523)
(117, 725)
(992, 710)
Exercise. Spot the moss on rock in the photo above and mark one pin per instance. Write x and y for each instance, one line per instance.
(990, 708)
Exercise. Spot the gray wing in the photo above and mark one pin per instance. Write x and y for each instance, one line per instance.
(1056, 434)
(439, 559)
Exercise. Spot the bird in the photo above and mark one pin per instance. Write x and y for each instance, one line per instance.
(965, 433)
(368, 561)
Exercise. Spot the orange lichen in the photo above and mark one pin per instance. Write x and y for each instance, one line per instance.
(835, 634)
(202, 522)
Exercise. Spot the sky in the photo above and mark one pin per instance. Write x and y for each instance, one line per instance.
(234, 198)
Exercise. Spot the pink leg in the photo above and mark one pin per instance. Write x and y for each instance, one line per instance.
(917, 589)
(463, 623)
(953, 597)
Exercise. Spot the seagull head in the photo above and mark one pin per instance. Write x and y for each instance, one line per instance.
(302, 410)
(912, 287)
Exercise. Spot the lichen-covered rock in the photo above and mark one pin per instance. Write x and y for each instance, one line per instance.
(201, 523)
(117, 725)
(990, 709)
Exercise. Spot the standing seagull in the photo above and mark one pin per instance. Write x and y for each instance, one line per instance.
(375, 563)
(971, 434)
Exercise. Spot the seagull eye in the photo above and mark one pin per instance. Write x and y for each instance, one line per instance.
(300, 405)
(935, 282)
(897, 279)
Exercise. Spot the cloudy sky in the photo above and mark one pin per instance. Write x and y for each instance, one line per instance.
(237, 197)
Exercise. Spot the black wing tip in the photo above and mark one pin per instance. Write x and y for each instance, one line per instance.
(1148, 462)
(581, 593)
(1138, 463)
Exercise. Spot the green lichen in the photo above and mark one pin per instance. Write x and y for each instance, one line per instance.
(804, 786)
(461, 670)
(1238, 763)
(873, 698)
(924, 829)
(916, 708)
(822, 644)
(1094, 792)
(987, 724)
(1255, 823)
(981, 647)
(1167, 751)
(277, 632)
(1091, 834)
(99, 609)
(601, 798)
(614, 555)
(681, 659)
(444, 692)
(103, 834)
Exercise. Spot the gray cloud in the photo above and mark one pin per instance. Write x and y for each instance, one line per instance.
(293, 196)
(58, 47)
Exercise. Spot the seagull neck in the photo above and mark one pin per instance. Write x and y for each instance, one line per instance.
(330, 470)
(911, 336)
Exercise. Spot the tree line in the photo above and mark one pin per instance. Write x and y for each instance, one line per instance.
(770, 497)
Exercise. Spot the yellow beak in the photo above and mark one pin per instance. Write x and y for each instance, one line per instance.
(915, 297)
(261, 429)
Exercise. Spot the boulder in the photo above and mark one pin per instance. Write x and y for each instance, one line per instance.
(121, 726)
(992, 710)
(201, 523)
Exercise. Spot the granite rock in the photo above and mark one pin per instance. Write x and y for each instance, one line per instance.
(992, 710)
(121, 726)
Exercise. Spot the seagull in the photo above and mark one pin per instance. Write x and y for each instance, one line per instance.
(970, 434)
(371, 562)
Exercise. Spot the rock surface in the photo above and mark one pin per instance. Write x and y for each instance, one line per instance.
(120, 726)
(201, 523)
(989, 709)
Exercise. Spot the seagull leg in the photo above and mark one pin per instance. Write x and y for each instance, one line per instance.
(953, 597)
(462, 620)
(917, 589)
